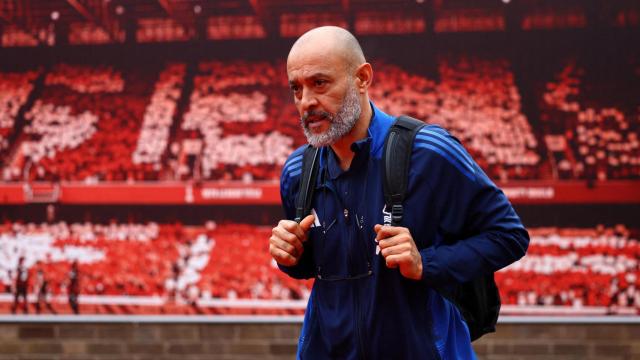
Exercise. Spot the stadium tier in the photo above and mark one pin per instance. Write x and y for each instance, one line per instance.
(14, 91)
(591, 134)
(226, 268)
(84, 125)
(234, 120)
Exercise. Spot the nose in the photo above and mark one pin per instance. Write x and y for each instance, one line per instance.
(308, 101)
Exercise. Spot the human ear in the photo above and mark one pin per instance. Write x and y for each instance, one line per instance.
(364, 76)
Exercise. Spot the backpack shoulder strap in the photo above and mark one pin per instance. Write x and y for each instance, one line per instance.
(310, 165)
(396, 158)
(477, 300)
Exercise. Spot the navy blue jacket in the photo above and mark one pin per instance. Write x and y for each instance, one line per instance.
(462, 224)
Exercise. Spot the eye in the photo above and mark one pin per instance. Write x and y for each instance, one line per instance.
(319, 82)
(294, 88)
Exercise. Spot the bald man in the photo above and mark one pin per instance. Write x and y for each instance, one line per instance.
(375, 295)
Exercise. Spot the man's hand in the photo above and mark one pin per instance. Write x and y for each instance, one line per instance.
(399, 250)
(285, 243)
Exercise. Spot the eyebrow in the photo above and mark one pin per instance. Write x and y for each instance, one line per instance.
(313, 76)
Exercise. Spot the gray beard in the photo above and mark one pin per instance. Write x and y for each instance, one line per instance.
(340, 124)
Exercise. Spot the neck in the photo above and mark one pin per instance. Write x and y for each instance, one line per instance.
(342, 147)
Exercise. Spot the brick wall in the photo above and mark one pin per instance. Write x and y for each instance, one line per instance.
(138, 341)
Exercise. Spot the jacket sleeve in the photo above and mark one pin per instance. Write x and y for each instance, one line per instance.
(480, 231)
(289, 185)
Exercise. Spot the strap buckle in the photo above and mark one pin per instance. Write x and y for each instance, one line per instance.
(396, 214)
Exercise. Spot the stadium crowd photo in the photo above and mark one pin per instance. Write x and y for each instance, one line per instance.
(154, 155)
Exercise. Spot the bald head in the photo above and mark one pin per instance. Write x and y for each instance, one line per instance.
(329, 78)
(330, 41)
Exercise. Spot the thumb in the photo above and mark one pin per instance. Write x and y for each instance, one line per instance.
(306, 223)
(379, 235)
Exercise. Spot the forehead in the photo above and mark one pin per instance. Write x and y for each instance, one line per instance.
(304, 63)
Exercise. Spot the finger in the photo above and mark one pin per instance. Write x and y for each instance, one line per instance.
(388, 242)
(395, 240)
(388, 231)
(391, 262)
(398, 259)
(410, 267)
(294, 228)
(382, 231)
(378, 228)
(290, 248)
(395, 250)
(306, 223)
(282, 257)
(288, 238)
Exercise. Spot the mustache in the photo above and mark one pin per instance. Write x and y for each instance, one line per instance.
(320, 114)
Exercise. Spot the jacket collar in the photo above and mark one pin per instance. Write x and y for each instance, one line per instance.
(380, 124)
(374, 142)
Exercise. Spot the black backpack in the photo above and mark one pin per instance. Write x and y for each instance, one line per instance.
(478, 300)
